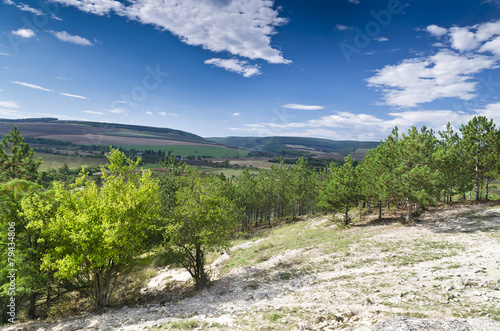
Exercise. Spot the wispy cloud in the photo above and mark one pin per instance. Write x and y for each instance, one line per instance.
(66, 37)
(236, 114)
(381, 39)
(351, 126)
(73, 96)
(163, 113)
(32, 86)
(342, 27)
(240, 27)
(356, 2)
(29, 9)
(5, 54)
(234, 65)
(24, 33)
(116, 111)
(302, 107)
(93, 112)
(149, 113)
(9, 104)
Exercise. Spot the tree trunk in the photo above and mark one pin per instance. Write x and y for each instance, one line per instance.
(346, 219)
(32, 305)
(487, 188)
(408, 211)
(380, 210)
(201, 278)
(477, 183)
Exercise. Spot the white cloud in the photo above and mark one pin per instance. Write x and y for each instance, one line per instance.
(350, 126)
(149, 113)
(240, 27)
(66, 37)
(492, 46)
(162, 113)
(32, 86)
(302, 107)
(236, 114)
(97, 7)
(356, 2)
(93, 112)
(237, 66)
(5, 54)
(8, 104)
(462, 39)
(24, 33)
(436, 30)
(422, 80)
(116, 111)
(342, 27)
(9, 2)
(74, 96)
(381, 39)
(29, 9)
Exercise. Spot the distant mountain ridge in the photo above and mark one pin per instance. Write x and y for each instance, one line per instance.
(278, 144)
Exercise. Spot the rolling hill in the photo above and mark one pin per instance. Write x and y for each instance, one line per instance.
(297, 145)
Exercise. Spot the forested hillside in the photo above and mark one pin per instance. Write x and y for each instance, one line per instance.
(83, 237)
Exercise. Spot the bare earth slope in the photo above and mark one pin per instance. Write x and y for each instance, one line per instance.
(441, 273)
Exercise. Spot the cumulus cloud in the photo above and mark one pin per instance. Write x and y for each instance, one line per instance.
(149, 113)
(24, 33)
(73, 96)
(421, 80)
(302, 107)
(66, 37)
(235, 65)
(236, 114)
(33, 86)
(240, 27)
(436, 30)
(8, 104)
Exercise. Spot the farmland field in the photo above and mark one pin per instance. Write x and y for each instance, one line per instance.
(196, 150)
(51, 161)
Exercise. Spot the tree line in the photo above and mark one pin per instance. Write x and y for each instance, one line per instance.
(84, 235)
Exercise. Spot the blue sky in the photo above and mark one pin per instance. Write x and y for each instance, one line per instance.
(337, 69)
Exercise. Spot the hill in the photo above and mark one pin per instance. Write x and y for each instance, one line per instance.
(440, 273)
(97, 133)
(81, 142)
(298, 145)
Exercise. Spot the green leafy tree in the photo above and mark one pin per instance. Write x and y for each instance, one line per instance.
(16, 158)
(201, 222)
(28, 207)
(480, 143)
(100, 232)
(342, 188)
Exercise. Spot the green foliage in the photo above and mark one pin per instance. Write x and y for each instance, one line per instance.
(16, 158)
(200, 222)
(341, 188)
(481, 144)
(99, 232)
(27, 207)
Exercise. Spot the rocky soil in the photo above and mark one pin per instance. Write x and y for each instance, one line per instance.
(440, 273)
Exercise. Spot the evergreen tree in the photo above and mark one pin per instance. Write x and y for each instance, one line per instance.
(480, 143)
(16, 158)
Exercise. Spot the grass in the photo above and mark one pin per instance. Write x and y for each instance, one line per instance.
(295, 236)
(195, 150)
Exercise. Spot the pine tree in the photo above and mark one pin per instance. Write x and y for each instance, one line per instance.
(16, 158)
